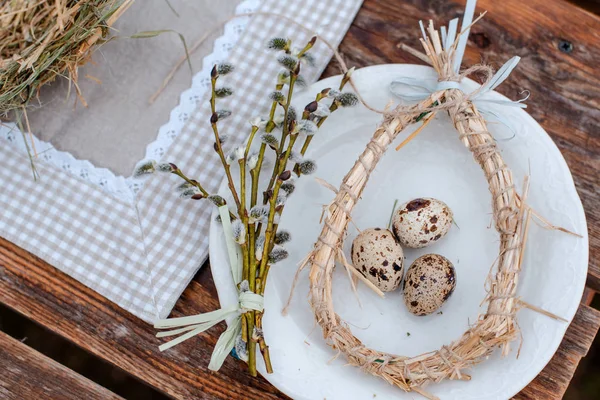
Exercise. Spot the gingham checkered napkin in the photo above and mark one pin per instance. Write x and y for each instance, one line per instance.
(142, 255)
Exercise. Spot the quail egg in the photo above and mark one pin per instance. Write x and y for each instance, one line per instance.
(429, 282)
(379, 257)
(421, 222)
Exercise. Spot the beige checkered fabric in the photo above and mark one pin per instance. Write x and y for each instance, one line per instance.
(143, 255)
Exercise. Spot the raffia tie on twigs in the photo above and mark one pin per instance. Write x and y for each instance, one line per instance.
(498, 326)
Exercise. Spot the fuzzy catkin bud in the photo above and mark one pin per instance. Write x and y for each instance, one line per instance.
(283, 77)
(230, 158)
(277, 96)
(217, 200)
(296, 156)
(307, 167)
(309, 59)
(223, 92)
(224, 68)
(347, 99)
(280, 200)
(269, 140)
(288, 62)
(322, 111)
(300, 81)
(258, 213)
(288, 187)
(241, 348)
(252, 161)
(222, 114)
(257, 334)
(258, 122)
(239, 151)
(278, 254)
(278, 120)
(236, 154)
(259, 247)
(166, 167)
(291, 114)
(189, 192)
(278, 43)
(307, 126)
(145, 167)
(239, 231)
(282, 237)
(183, 186)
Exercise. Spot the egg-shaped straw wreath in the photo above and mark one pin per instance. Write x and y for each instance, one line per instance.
(498, 326)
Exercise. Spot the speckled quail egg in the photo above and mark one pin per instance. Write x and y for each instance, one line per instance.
(429, 282)
(379, 257)
(421, 222)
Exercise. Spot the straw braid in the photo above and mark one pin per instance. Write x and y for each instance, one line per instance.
(498, 326)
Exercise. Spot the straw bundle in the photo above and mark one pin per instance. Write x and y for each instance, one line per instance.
(498, 326)
(40, 40)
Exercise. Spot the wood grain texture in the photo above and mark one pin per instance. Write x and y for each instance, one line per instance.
(27, 374)
(65, 306)
(553, 381)
(565, 100)
(68, 308)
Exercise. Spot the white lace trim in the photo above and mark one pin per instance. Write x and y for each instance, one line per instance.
(117, 185)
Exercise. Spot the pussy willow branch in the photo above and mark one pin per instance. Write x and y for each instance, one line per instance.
(277, 168)
(255, 271)
(218, 146)
(332, 108)
(259, 284)
(261, 153)
(293, 77)
(192, 182)
(249, 265)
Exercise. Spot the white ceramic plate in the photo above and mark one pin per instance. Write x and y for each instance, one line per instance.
(435, 164)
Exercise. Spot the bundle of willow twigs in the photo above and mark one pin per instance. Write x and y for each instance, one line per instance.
(494, 329)
(40, 40)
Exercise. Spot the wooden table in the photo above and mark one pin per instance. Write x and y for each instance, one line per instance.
(560, 49)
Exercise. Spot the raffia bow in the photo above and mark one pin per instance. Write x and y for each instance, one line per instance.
(419, 89)
(191, 326)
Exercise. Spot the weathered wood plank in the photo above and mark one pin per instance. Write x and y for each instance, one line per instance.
(27, 374)
(588, 296)
(564, 86)
(553, 381)
(66, 307)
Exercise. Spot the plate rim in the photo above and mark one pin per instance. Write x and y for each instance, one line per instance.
(215, 229)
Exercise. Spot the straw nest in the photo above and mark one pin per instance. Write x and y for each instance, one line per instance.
(40, 40)
(494, 329)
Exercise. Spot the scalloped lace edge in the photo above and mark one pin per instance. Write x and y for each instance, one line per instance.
(127, 187)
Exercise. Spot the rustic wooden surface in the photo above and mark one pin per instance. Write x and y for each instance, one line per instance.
(27, 374)
(552, 382)
(565, 100)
